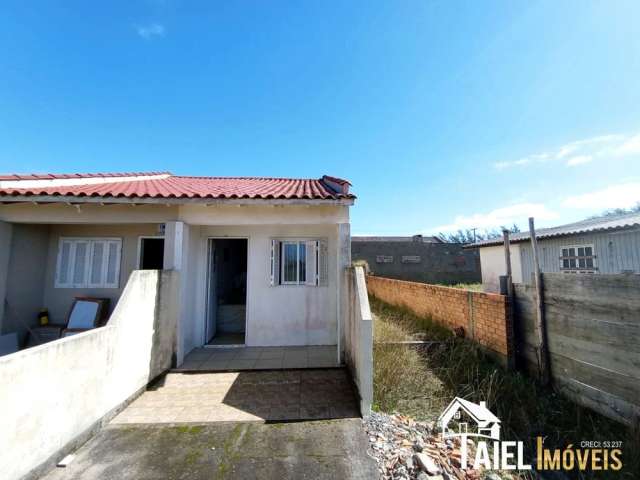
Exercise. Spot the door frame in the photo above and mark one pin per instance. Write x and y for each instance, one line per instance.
(206, 290)
(139, 254)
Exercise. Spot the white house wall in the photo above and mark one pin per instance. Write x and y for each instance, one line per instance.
(263, 215)
(191, 214)
(25, 278)
(493, 266)
(276, 315)
(6, 232)
(58, 300)
(89, 213)
(283, 315)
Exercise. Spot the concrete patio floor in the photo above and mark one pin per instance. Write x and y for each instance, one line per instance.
(244, 397)
(259, 358)
(333, 449)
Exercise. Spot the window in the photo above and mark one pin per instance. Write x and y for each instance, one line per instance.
(410, 259)
(578, 259)
(384, 258)
(88, 263)
(298, 262)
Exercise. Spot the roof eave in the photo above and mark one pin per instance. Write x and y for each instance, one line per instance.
(555, 235)
(14, 199)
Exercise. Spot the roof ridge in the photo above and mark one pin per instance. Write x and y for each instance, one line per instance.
(246, 177)
(56, 176)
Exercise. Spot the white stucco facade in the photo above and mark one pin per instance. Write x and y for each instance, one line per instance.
(279, 315)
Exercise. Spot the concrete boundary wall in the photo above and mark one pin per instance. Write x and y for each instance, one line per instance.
(359, 338)
(593, 335)
(55, 395)
(483, 316)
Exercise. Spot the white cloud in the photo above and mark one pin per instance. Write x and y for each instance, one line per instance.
(624, 195)
(579, 152)
(152, 30)
(579, 160)
(630, 147)
(506, 216)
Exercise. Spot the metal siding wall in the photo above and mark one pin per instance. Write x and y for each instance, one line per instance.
(615, 252)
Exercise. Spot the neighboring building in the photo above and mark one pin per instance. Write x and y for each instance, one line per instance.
(602, 245)
(418, 259)
(261, 260)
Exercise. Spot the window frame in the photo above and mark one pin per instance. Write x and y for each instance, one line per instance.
(316, 273)
(86, 282)
(577, 258)
(283, 244)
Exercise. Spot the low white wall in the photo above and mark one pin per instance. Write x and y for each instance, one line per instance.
(52, 395)
(359, 338)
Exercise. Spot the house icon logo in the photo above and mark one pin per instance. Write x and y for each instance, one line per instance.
(463, 418)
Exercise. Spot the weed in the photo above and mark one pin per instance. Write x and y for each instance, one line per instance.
(421, 382)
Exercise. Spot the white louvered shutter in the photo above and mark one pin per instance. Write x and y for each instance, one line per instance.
(311, 262)
(98, 260)
(63, 278)
(80, 263)
(113, 250)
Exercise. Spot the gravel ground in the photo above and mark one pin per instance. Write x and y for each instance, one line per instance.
(407, 449)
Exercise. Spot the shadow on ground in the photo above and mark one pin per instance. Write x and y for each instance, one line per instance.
(276, 395)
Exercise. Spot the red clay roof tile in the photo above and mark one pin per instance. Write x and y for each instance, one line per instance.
(165, 185)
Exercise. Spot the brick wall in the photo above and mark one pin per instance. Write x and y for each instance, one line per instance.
(482, 315)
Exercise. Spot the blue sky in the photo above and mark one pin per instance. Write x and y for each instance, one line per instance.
(442, 114)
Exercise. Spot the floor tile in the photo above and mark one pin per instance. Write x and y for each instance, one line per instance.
(271, 353)
(239, 364)
(295, 363)
(249, 353)
(268, 363)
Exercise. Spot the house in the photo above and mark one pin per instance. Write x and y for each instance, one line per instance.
(472, 419)
(418, 258)
(608, 244)
(260, 259)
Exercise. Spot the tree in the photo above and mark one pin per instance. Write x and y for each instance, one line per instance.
(472, 235)
(617, 211)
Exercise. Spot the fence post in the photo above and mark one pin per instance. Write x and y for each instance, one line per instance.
(543, 362)
(511, 353)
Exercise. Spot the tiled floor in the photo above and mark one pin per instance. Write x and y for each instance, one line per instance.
(259, 358)
(244, 396)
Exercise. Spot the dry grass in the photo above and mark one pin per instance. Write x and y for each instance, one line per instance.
(475, 287)
(422, 383)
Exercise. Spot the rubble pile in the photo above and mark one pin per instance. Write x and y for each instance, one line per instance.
(407, 449)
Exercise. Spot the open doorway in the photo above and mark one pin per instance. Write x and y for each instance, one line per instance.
(151, 253)
(226, 291)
